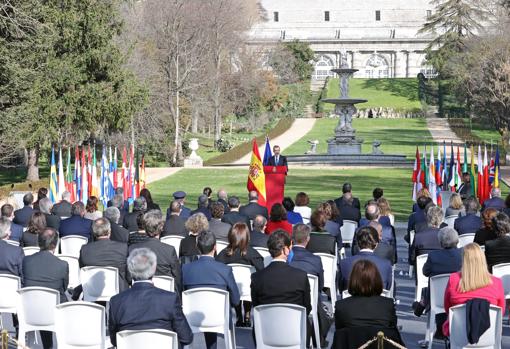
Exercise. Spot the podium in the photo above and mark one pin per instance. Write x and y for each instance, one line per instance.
(275, 184)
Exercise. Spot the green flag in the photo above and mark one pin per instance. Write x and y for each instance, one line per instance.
(465, 165)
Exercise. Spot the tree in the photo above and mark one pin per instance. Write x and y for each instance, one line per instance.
(304, 56)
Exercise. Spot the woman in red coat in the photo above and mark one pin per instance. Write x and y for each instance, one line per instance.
(473, 281)
(278, 220)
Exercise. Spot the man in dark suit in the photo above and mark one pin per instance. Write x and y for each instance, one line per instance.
(145, 306)
(203, 207)
(383, 249)
(121, 204)
(119, 233)
(253, 209)
(52, 221)
(22, 216)
(175, 224)
(139, 207)
(45, 270)
(418, 217)
(257, 236)
(234, 216)
(277, 159)
(470, 223)
(62, 209)
(446, 260)
(206, 272)
(495, 201)
(465, 188)
(180, 197)
(11, 257)
(367, 240)
(348, 205)
(167, 260)
(216, 226)
(76, 224)
(427, 240)
(223, 199)
(16, 230)
(497, 251)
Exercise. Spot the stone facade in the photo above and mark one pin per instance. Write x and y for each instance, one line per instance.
(380, 37)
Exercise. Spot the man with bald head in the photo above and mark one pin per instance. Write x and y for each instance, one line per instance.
(174, 224)
(372, 214)
(223, 199)
(252, 209)
(495, 201)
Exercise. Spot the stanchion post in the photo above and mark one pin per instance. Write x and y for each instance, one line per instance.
(5, 339)
(380, 340)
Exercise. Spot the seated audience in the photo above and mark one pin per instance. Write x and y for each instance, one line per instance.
(76, 224)
(486, 232)
(233, 215)
(278, 220)
(470, 223)
(41, 194)
(35, 227)
(52, 221)
(167, 260)
(302, 201)
(216, 226)
(426, 240)
(497, 251)
(151, 205)
(188, 250)
(257, 236)
(385, 215)
(292, 217)
(207, 191)
(383, 249)
(22, 216)
(367, 240)
(91, 209)
(423, 192)
(418, 216)
(11, 257)
(253, 209)
(206, 272)
(119, 233)
(130, 219)
(465, 188)
(180, 197)
(222, 199)
(43, 269)
(455, 207)
(139, 235)
(140, 307)
(16, 230)
(495, 201)
(63, 208)
(203, 207)
(348, 205)
(239, 251)
(377, 193)
(320, 240)
(506, 210)
(373, 214)
(331, 226)
(175, 224)
(472, 281)
(121, 204)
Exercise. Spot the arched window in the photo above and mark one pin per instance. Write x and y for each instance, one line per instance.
(428, 70)
(323, 67)
(377, 67)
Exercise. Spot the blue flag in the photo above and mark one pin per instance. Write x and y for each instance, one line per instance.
(267, 153)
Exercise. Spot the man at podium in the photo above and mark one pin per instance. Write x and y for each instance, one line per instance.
(277, 159)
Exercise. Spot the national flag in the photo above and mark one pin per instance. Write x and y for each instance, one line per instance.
(416, 174)
(444, 173)
(424, 171)
(267, 153)
(111, 188)
(495, 184)
(472, 173)
(137, 175)
(89, 169)
(77, 175)
(432, 176)
(115, 176)
(256, 176)
(465, 164)
(104, 177)
(84, 177)
(124, 173)
(142, 173)
(451, 167)
(131, 173)
(439, 179)
(61, 178)
(94, 184)
(486, 190)
(53, 178)
(69, 177)
(479, 187)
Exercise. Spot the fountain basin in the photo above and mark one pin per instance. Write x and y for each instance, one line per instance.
(344, 101)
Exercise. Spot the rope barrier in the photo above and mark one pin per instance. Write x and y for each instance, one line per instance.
(6, 339)
(380, 342)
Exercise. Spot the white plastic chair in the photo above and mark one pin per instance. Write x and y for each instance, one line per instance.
(465, 239)
(164, 282)
(264, 252)
(242, 275)
(450, 220)
(156, 338)
(9, 284)
(173, 240)
(80, 325)
(30, 250)
(313, 280)
(330, 267)
(491, 339)
(74, 269)
(12, 242)
(385, 293)
(220, 246)
(208, 310)
(422, 280)
(99, 283)
(71, 245)
(280, 326)
(36, 310)
(502, 271)
(348, 229)
(437, 289)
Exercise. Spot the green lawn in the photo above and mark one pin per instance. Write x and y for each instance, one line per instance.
(320, 185)
(398, 136)
(484, 132)
(399, 94)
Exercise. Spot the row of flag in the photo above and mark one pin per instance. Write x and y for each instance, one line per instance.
(89, 178)
(438, 173)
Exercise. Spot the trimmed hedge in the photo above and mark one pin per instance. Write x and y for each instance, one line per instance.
(23, 186)
(245, 148)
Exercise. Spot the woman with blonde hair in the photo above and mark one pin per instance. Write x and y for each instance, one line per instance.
(455, 206)
(473, 281)
(385, 210)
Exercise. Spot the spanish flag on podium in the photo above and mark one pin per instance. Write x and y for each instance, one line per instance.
(256, 176)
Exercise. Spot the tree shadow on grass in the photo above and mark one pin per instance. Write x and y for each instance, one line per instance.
(407, 88)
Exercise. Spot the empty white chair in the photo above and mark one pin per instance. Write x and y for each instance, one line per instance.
(99, 283)
(330, 267)
(71, 245)
(502, 271)
(12, 242)
(157, 338)
(491, 339)
(422, 280)
(465, 239)
(30, 250)
(264, 252)
(164, 282)
(36, 310)
(281, 326)
(173, 240)
(9, 286)
(313, 280)
(242, 275)
(80, 325)
(220, 246)
(74, 269)
(437, 289)
(450, 220)
(208, 310)
(348, 229)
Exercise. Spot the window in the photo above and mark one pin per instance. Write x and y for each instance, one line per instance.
(326, 16)
(377, 15)
(276, 17)
(376, 67)
(429, 14)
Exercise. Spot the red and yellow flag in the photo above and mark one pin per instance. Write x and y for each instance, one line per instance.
(256, 176)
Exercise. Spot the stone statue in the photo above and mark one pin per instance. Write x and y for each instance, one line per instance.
(345, 113)
(313, 147)
(375, 148)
